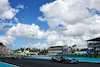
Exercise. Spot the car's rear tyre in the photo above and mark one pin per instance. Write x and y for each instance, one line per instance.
(77, 61)
(52, 60)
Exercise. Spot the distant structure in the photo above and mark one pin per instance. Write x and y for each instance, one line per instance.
(42, 53)
(57, 50)
(27, 53)
(94, 45)
(5, 50)
(22, 18)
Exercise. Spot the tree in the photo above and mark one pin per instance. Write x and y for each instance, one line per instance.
(69, 46)
(84, 49)
(72, 48)
(74, 45)
(77, 49)
(22, 49)
(46, 51)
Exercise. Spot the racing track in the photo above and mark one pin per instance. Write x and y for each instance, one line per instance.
(44, 63)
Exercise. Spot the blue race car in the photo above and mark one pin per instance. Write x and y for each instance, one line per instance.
(55, 59)
(71, 61)
(63, 60)
(17, 57)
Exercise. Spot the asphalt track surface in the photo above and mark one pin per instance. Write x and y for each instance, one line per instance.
(43, 63)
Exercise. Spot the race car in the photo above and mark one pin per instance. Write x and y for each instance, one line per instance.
(17, 57)
(55, 59)
(71, 61)
(63, 60)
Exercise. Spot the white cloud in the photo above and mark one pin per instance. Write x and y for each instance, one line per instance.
(7, 40)
(54, 38)
(93, 4)
(16, 19)
(70, 11)
(74, 34)
(67, 11)
(3, 25)
(41, 19)
(54, 22)
(6, 11)
(79, 24)
(20, 6)
(25, 31)
(75, 30)
(37, 45)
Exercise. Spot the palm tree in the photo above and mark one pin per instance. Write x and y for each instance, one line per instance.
(72, 48)
(74, 45)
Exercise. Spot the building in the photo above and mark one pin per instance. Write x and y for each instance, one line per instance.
(57, 50)
(26, 53)
(80, 52)
(94, 45)
(42, 53)
(5, 50)
(65, 49)
(31, 53)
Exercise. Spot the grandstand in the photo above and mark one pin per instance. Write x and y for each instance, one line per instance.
(94, 45)
(4, 50)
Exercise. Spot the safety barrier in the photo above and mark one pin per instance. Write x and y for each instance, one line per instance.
(86, 56)
(14, 55)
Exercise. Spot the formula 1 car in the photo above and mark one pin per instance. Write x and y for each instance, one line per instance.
(63, 60)
(71, 61)
(17, 57)
(55, 59)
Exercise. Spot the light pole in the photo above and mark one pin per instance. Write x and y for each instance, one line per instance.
(27, 44)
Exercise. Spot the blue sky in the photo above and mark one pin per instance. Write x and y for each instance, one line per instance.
(52, 22)
(30, 13)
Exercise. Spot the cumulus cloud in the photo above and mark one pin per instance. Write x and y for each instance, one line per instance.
(79, 21)
(41, 19)
(75, 30)
(6, 11)
(20, 6)
(56, 38)
(7, 40)
(93, 4)
(16, 19)
(2, 25)
(37, 45)
(25, 31)
(74, 34)
(69, 11)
